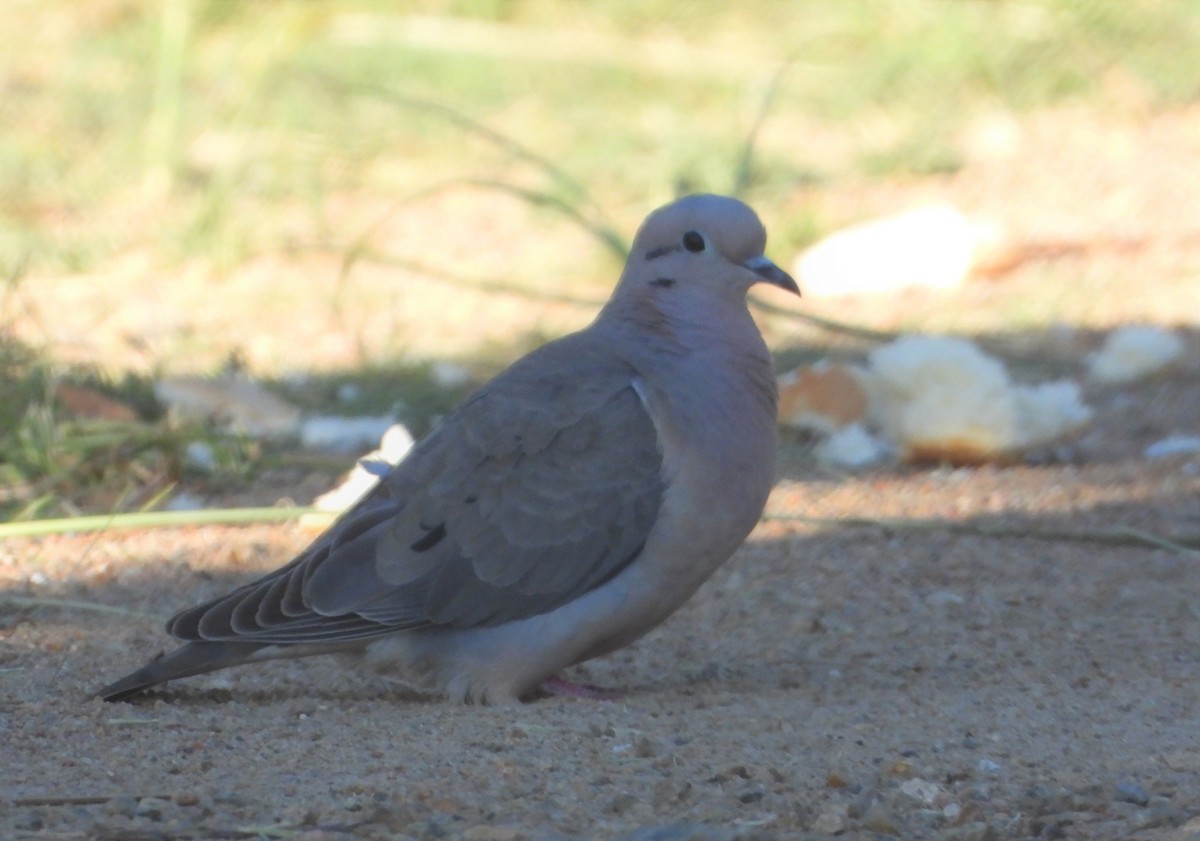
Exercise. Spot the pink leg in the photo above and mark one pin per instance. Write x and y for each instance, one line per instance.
(561, 686)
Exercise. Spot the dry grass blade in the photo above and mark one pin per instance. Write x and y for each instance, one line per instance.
(593, 219)
(1187, 544)
(496, 287)
(80, 800)
(828, 324)
(745, 166)
(75, 604)
(152, 519)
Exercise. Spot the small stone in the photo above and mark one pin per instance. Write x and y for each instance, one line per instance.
(187, 798)
(150, 808)
(989, 767)
(837, 778)
(944, 597)
(922, 791)
(752, 794)
(831, 821)
(1128, 791)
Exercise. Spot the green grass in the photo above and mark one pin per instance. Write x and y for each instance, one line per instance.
(188, 132)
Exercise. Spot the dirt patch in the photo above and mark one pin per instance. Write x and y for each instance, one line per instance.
(860, 682)
(919, 684)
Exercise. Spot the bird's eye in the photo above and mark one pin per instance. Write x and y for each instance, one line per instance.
(693, 241)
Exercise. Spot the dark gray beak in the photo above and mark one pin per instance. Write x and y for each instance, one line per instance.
(772, 274)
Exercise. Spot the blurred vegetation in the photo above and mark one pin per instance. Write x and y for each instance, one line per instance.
(216, 130)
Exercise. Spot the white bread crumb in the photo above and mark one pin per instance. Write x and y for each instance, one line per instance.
(1132, 352)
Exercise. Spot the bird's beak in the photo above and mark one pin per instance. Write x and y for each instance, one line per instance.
(772, 274)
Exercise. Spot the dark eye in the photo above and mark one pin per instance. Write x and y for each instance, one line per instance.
(693, 241)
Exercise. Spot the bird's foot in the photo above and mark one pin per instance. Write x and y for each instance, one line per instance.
(561, 686)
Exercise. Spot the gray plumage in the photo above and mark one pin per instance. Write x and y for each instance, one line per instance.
(562, 511)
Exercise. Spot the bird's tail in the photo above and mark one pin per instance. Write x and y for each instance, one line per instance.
(194, 658)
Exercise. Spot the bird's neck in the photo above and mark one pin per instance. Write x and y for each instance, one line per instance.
(708, 355)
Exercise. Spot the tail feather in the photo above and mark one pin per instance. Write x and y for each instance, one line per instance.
(194, 658)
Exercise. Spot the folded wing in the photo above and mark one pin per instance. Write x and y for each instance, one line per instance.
(541, 487)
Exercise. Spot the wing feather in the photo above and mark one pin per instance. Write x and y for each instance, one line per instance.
(539, 488)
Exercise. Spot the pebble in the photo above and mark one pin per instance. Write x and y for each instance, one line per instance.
(838, 778)
(922, 791)
(990, 767)
(150, 808)
(944, 597)
(1128, 791)
(752, 794)
(832, 821)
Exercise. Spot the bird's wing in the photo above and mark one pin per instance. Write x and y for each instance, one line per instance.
(538, 489)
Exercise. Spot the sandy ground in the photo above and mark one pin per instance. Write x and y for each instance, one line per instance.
(862, 682)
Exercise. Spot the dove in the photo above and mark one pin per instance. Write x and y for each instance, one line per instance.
(562, 511)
